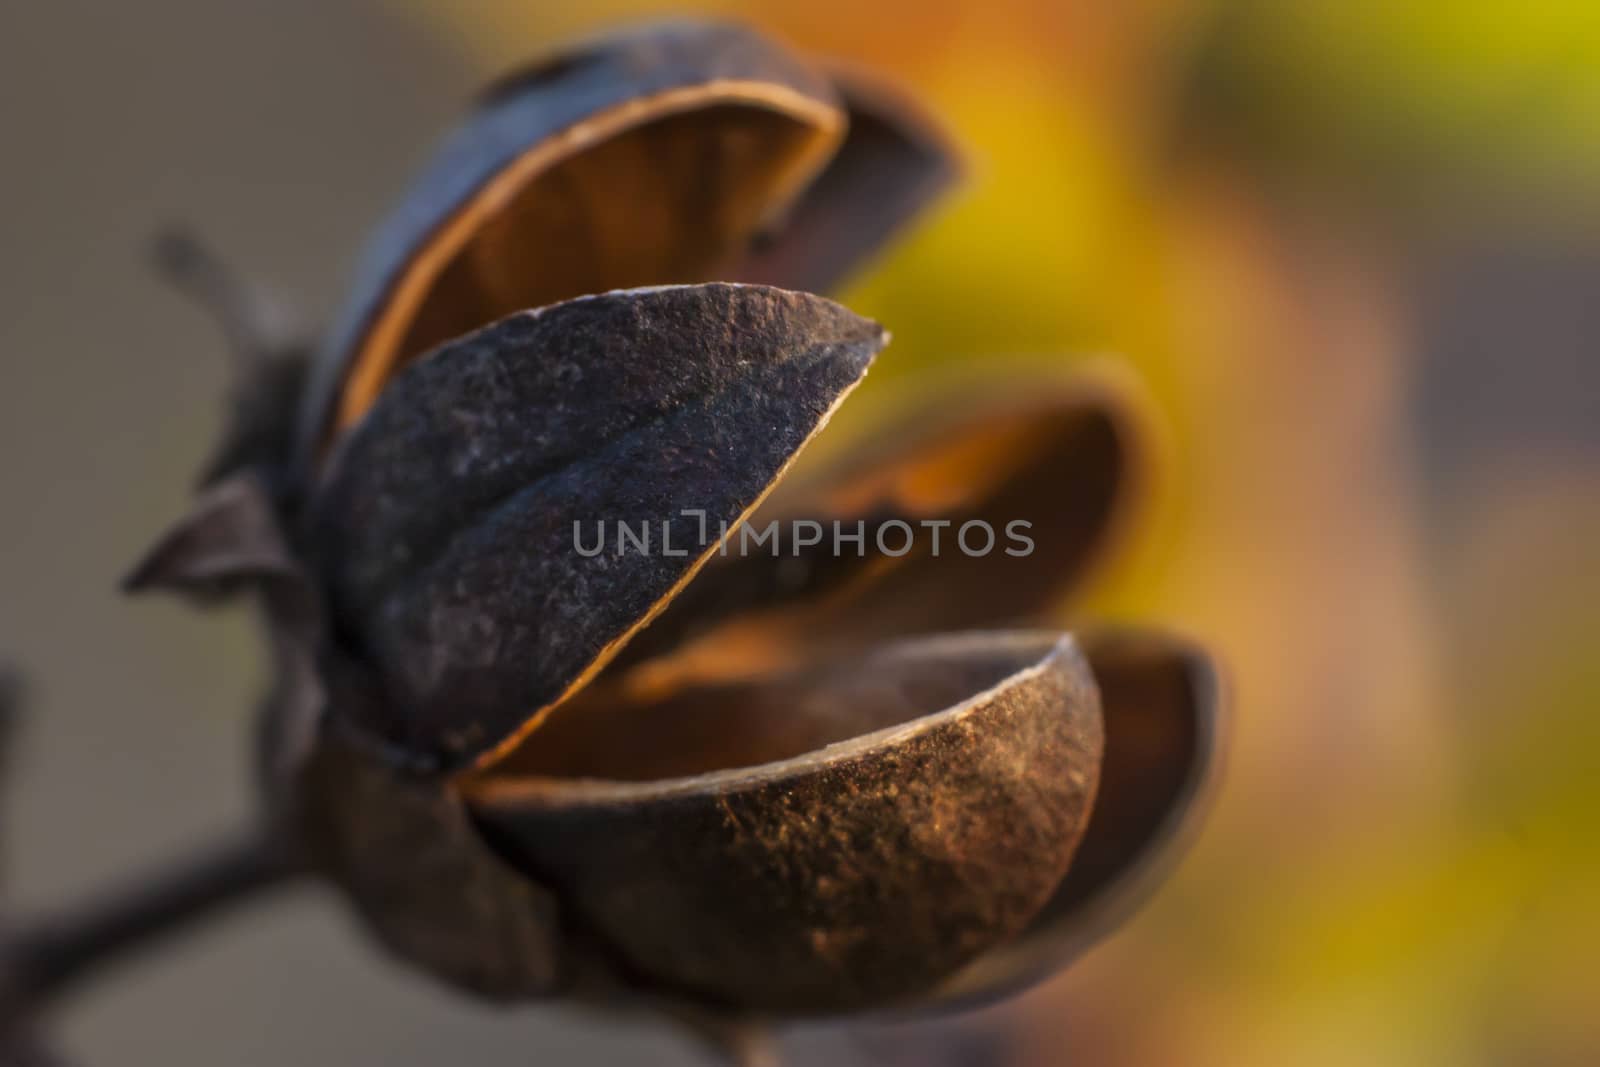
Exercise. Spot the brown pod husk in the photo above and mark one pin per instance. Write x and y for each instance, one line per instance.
(422, 879)
(818, 843)
(643, 158)
(1165, 709)
(446, 528)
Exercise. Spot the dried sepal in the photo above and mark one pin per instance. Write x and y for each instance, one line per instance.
(232, 542)
(230, 539)
(645, 158)
(447, 529)
(814, 843)
(1165, 713)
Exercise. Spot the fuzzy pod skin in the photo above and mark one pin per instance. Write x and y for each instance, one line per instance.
(852, 875)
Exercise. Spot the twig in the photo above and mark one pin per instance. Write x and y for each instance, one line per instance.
(45, 956)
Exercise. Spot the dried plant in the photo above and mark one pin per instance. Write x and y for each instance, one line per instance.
(733, 787)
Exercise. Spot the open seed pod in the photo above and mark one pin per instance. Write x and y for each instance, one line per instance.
(781, 782)
(821, 841)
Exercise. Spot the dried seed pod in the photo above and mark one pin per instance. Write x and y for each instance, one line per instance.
(820, 842)
(502, 746)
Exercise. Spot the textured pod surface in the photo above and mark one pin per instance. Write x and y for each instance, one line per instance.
(851, 837)
(446, 529)
(643, 158)
(1164, 709)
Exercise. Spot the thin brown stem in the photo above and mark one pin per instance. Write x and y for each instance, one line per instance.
(45, 956)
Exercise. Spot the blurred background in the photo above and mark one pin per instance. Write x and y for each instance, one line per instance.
(1352, 249)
